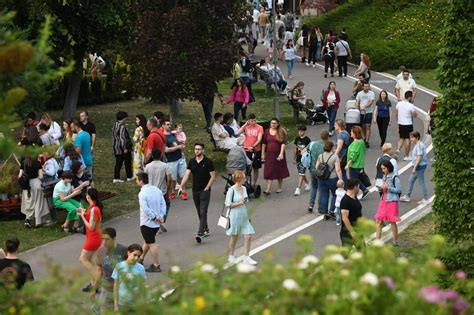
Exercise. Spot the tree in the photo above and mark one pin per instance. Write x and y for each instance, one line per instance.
(180, 49)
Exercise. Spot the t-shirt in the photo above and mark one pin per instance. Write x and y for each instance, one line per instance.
(354, 207)
(201, 172)
(83, 141)
(383, 109)
(341, 48)
(419, 149)
(331, 159)
(111, 259)
(89, 128)
(317, 147)
(157, 172)
(128, 275)
(171, 141)
(156, 139)
(363, 99)
(15, 271)
(61, 187)
(262, 19)
(289, 53)
(405, 112)
(32, 170)
(345, 137)
(340, 193)
(46, 139)
(301, 144)
(404, 86)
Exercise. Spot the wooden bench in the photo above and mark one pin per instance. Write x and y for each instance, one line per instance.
(216, 148)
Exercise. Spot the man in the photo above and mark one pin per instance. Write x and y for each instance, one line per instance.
(245, 72)
(255, 14)
(14, 271)
(405, 111)
(83, 146)
(275, 74)
(155, 140)
(204, 176)
(358, 85)
(400, 75)
(387, 153)
(45, 137)
(404, 85)
(174, 157)
(316, 148)
(343, 51)
(364, 102)
(152, 211)
(88, 127)
(159, 175)
(262, 21)
(252, 145)
(351, 210)
(109, 254)
(342, 144)
(220, 135)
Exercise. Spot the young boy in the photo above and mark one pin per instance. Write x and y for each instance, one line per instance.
(129, 277)
(301, 143)
(340, 192)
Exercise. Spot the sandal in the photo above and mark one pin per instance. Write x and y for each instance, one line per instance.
(266, 193)
(278, 191)
(75, 229)
(63, 228)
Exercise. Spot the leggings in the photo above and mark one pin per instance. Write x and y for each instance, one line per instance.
(382, 123)
(70, 205)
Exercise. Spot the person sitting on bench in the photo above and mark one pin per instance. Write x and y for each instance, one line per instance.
(221, 136)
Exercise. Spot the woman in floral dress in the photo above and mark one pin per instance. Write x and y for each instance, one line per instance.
(139, 140)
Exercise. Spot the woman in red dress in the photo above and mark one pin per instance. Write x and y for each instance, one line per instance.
(273, 153)
(92, 218)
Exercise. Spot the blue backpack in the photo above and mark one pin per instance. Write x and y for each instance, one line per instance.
(306, 156)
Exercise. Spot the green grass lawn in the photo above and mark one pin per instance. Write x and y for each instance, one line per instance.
(103, 116)
(425, 77)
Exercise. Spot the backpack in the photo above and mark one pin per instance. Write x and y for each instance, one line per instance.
(323, 171)
(247, 67)
(306, 156)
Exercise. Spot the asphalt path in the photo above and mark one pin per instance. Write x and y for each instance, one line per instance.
(277, 219)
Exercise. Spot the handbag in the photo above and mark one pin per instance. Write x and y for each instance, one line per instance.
(364, 178)
(224, 220)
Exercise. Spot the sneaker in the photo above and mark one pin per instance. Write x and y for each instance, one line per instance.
(87, 288)
(231, 259)
(367, 145)
(331, 216)
(290, 77)
(117, 181)
(27, 224)
(314, 65)
(297, 192)
(199, 238)
(365, 193)
(177, 187)
(310, 209)
(206, 233)
(163, 228)
(396, 155)
(423, 202)
(153, 268)
(338, 223)
(130, 179)
(171, 196)
(407, 159)
(331, 133)
(307, 187)
(184, 196)
(307, 64)
(405, 198)
(249, 261)
(325, 75)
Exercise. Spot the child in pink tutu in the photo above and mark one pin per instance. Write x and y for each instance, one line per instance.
(388, 206)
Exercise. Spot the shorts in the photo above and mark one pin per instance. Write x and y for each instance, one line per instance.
(149, 234)
(178, 169)
(301, 169)
(404, 131)
(366, 119)
(256, 158)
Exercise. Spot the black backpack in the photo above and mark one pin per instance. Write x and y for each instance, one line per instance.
(323, 171)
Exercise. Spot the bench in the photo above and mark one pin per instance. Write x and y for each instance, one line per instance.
(266, 78)
(216, 148)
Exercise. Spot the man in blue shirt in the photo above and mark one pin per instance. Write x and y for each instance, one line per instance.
(152, 211)
(83, 145)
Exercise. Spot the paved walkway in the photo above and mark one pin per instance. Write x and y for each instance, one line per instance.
(277, 218)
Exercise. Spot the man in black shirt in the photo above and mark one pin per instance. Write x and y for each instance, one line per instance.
(14, 271)
(88, 127)
(203, 176)
(351, 210)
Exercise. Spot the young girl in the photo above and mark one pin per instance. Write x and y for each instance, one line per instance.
(240, 96)
(290, 56)
(340, 192)
(50, 167)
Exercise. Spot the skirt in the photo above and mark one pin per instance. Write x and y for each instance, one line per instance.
(387, 211)
(239, 222)
(35, 205)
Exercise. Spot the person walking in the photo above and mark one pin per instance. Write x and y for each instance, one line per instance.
(404, 85)
(343, 139)
(239, 95)
(262, 21)
(351, 211)
(139, 144)
(235, 200)
(315, 149)
(313, 48)
(328, 171)
(364, 67)
(83, 146)
(301, 143)
(364, 102)
(420, 163)
(320, 43)
(204, 176)
(387, 151)
(328, 56)
(155, 140)
(13, 270)
(343, 53)
(382, 115)
(290, 56)
(331, 100)
(405, 111)
(273, 154)
(152, 212)
(387, 210)
(356, 158)
(122, 148)
(174, 157)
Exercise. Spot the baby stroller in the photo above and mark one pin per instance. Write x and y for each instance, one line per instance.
(237, 160)
(315, 113)
(351, 115)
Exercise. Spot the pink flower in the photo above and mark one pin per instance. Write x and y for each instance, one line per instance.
(460, 306)
(389, 282)
(450, 295)
(430, 294)
(461, 275)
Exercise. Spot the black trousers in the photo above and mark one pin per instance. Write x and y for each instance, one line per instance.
(120, 159)
(382, 123)
(201, 202)
(312, 54)
(207, 107)
(342, 65)
(238, 106)
(328, 63)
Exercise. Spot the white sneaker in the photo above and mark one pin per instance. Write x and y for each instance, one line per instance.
(231, 259)
(130, 179)
(249, 261)
(423, 202)
(117, 181)
(407, 159)
(177, 187)
(297, 192)
(331, 133)
(290, 77)
(314, 65)
(405, 198)
(307, 64)
(307, 187)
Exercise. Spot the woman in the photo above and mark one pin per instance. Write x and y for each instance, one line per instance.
(418, 171)
(364, 67)
(298, 99)
(320, 44)
(235, 200)
(313, 47)
(80, 177)
(388, 206)
(331, 100)
(63, 197)
(50, 167)
(240, 96)
(290, 55)
(328, 184)
(328, 56)
(356, 157)
(92, 218)
(33, 203)
(273, 154)
(329, 38)
(71, 156)
(54, 130)
(139, 139)
(431, 115)
(230, 125)
(121, 147)
(69, 135)
(382, 115)
(304, 34)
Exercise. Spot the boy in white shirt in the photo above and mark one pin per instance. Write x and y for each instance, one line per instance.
(340, 192)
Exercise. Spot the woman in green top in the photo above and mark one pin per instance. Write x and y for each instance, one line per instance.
(356, 157)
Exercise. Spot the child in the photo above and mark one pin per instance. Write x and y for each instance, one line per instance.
(129, 277)
(296, 23)
(181, 137)
(301, 143)
(50, 168)
(179, 133)
(270, 49)
(340, 192)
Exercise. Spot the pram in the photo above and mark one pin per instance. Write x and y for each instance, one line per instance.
(237, 160)
(351, 115)
(315, 113)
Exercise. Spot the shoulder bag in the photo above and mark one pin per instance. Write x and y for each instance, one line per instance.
(224, 220)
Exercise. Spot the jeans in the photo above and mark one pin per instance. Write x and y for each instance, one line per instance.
(332, 113)
(382, 123)
(282, 84)
(201, 202)
(355, 173)
(328, 63)
(119, 160)
(238, 106)
(343, 163)
(338, 215)
(326, 186)
(314, 190)
(420, 174)
(312, 55)
(289, 64)
(318, 52)
(342, 65)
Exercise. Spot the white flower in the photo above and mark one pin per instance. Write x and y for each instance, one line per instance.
(290, 285)
(354, 295)
(402, 260)
(332, 248)
(345, 273)
(356, 255)
(336, 258)
(245, 268)
(307, 260)
(370, 278)
(332, 297)
(377, 243)
(209, 268)
(175, 269)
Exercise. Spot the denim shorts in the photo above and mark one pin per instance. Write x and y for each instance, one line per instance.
(178, 169)
(366, 119)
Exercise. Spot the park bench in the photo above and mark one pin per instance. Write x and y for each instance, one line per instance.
(216, 148)
(266, 79)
